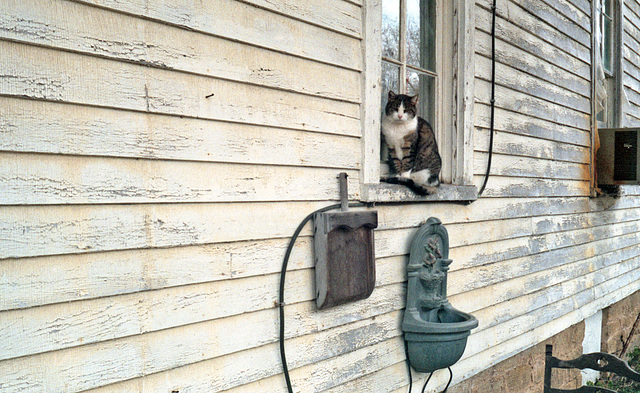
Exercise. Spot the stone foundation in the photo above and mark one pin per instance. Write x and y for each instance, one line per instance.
(617, 322)
(524, 372)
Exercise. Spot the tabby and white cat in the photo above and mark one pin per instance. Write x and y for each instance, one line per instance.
(413, 151)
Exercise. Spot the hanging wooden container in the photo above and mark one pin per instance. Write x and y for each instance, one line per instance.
(344, 254)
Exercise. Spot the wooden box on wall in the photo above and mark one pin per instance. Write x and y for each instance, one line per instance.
(344, 256)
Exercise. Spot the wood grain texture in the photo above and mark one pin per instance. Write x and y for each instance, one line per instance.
(532, 106)
(82, 277)
(525, 31)
(511, 120)
(572, 261)
(80, 323)
(159, 45)
(52, 230)
(527, 187)
(46, 127)
(507, 165)
(371, 92)
(52, 179)
(526, 249)
(244, 22)
(165, 267)
(522, 82)
(197, 302)
(509, 54)
(203, 345)
(464, 94)
(337, 15)
(572, 314)
(632, 14)
(138, 88)
(523, 146)
(176, 372)
(511, 295)
(176, 377)
(315, 378)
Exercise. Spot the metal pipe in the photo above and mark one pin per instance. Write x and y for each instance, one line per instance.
(344, 192)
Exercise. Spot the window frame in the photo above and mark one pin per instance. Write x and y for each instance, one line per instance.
(613, 77)
(613, 106)
(458, 71)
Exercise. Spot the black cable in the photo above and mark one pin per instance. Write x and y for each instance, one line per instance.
(426, 382)
(283, 272)
(406, 351)
(450, 379)
(493, 95)
(445, 388)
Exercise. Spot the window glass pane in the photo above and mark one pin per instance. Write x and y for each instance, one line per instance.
(607, 38)
(390, 28)
(390, 74)
(424, 85)
(607, 7)
(421, 33)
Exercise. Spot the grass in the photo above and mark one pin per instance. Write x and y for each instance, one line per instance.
(621, 384)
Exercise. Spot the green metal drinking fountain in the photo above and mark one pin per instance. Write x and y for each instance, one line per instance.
(435, 332)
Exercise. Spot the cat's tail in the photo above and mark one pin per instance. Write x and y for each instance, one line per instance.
(413, 186)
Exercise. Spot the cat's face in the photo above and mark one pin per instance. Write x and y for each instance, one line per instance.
(401, 107)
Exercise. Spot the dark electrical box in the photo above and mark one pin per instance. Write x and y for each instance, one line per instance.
(617, 158)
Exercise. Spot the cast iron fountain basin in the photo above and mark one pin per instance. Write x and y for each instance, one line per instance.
(435, 345)
(435, 332)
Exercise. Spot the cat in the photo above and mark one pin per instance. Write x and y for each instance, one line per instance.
(413, 151)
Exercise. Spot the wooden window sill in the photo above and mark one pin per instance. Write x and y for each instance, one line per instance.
(393, 193)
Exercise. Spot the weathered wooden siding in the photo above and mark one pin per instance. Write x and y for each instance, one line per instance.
(630, 48)
(149, 151)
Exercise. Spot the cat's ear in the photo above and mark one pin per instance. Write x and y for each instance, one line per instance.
(392, 95)
(414, 99)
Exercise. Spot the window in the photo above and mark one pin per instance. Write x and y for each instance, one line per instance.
(611, 153)
(420, 47)
(607, 63)
(611, 67)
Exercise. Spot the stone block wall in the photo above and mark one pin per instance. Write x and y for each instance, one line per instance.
(524, 372)
(617, 322)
